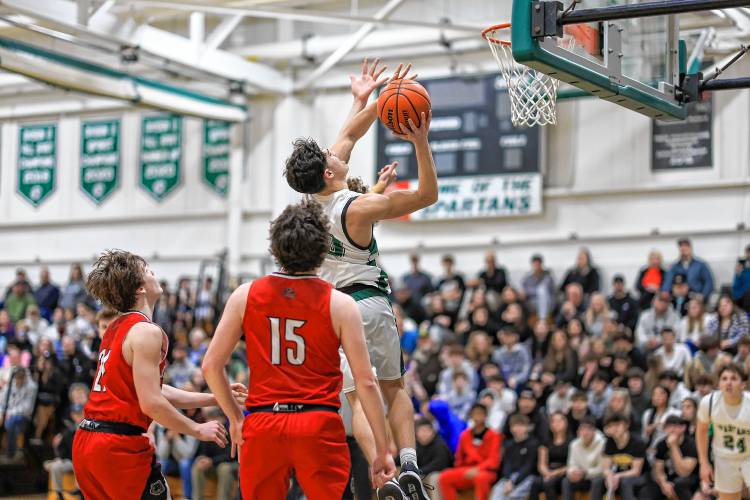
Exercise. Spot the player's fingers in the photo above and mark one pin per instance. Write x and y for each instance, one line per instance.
(374, 66)
(397, 72)
(364, 66)
(412, 125)
(413, 76)
(379, 72)
(406, 70)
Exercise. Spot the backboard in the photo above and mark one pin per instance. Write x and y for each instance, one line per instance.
(635, 63)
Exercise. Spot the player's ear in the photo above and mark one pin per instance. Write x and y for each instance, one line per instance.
(328, 174)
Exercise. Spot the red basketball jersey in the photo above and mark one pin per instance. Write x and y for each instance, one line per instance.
(292, 349)
(113, 397)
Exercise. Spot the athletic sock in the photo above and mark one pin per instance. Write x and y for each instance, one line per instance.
(408, 455)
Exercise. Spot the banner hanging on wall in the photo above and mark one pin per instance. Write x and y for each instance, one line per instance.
(37, 161)
(161, 154)
(216, 148)
(100, 158)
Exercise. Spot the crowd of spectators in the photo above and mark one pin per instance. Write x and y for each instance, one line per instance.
(520, 388)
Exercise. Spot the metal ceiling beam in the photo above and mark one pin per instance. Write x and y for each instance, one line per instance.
(168, 46)
(347, 47)
(291, 14)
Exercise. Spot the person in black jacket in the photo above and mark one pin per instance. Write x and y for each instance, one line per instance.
(63, 447)
(433, 454)
(211, 459)
(623, 303)
(519, 460)
(536, 425)
(650, 279)
(583, 273)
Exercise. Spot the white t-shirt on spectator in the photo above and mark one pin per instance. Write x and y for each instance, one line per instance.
(677, 360)
(684, 333)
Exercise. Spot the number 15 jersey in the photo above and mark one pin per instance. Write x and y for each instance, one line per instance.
(292, 349)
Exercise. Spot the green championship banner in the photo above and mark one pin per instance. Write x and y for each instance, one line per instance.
(161, 152)
(216, 155)
(37, 161)
(100, 158)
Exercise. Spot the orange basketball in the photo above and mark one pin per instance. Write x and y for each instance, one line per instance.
(401, 100)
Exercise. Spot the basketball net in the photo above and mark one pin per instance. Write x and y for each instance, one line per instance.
(533, 95)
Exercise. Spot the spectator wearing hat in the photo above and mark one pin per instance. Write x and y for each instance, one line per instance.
(700, 280)
(433, 454)
(513, 359)
(650, 279)
(519, 466)
(539, 288)
(680, 293)
(622, 303)
(62, 445)
(622, 461)
(477, 459)
(729, 325)
(18, 300)
(584, 459)
(528, 406)
(675, 468)
(583, 272)
(673, 356)
(652, 321)
(599, 392)
(47, 294)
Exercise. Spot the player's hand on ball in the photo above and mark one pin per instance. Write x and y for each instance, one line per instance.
(414, 134)
(239, 393)
(401, 73)
(212, 431)
(369, 80)
(383, 470)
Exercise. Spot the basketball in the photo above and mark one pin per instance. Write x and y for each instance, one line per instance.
(402, 99)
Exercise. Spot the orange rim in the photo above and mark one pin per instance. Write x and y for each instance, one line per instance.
(491, 29)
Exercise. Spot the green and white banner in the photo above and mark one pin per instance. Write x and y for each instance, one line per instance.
(161, 153)
(100, 158)
(216, 138)
(37, 161)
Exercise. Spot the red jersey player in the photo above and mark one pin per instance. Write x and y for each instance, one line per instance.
(112, 458)
(294, 323)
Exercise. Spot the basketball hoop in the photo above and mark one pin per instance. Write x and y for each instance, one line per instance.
(533, 95)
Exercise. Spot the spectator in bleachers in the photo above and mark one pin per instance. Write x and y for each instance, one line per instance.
(479, 349)
(18, 301)
(184, 302)
(673, 381)
(198, 346)
(625, 475)
(619, 402)
(34, 322)
(675, 462)
(729, 325)
(513, 359)
(650, 279)
(477, 459)
(622, 303)
(416, 280)
(622, 343)
(56, 329)
(17, 413)
(539, 288)
(62, 444)
(518, 469)
(451, 285)
(456, 361)
(204, 305)
(689, 413)
(573, 306)
(75, 365)
(213, 460)
(743, 351)
(7, 329)
(741, 281)
(513, 318)
(433, 454)
(11, 363)
(537, 423)
(652, 321)
(561, 398)
(700, 280)
(47, 294)
(561, 360)
(694, 324)
(639, 398)
(181, 369)
(83, 328)
(539, 341)
(21, 277)
(412, 307)
(505, 395)
(584, 459)
(673, 356)
(704, 362)
(427, 362)
(599, 393)
(552, 461)
(584, 273)
(596, 315)
(75, 291)
(175, 452)
(50, 386)
(680, 293)
(654, 417)
(493, 277)
(495, 414)
(461, 396)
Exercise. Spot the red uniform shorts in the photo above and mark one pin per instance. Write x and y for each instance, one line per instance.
(312, 444)
(117, 467)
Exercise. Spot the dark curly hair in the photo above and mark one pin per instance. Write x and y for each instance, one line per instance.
(357, 185)
(299, 237)
(304, 168)
(115, 278)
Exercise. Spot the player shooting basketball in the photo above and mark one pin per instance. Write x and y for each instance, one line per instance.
(351, 262)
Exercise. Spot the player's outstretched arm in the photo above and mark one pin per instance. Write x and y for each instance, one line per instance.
(227, 334)
(145, 341)
(347, 322)
(370, 208)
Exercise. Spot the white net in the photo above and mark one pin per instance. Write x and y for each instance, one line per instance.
(533, 95)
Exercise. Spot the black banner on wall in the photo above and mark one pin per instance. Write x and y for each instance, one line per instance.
(684, 144)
